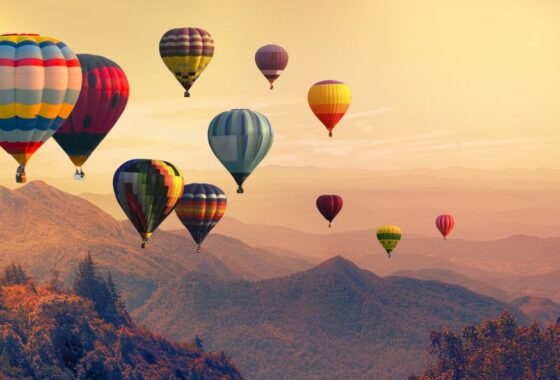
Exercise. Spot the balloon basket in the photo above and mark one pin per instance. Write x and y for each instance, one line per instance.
(144, 243)
(20, 175)
(79, 175)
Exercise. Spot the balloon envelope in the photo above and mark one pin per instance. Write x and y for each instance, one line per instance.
(445, 224)
(147, 191)
(200, 208)
(329, 206)
(389, 237)
(240, 139)
(271, 61)
(329, 100)
(102, 100)
(40, 81)
(186, 52)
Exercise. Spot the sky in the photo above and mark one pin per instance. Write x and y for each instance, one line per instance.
(435, 84)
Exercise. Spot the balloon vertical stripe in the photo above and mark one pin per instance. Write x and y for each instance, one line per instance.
(329, 206)
(240, 139)
(186, 52)
(445, 224)
(271, 61)
(329, 100)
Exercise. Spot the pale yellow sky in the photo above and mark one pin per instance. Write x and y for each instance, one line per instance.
(472, 83)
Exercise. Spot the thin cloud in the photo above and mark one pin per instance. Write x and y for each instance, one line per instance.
(356, 115)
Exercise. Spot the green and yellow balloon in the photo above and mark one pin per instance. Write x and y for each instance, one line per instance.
(147, 191)
(389, 237)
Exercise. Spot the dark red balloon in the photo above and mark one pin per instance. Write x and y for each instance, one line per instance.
(102, 100)
(329, 206)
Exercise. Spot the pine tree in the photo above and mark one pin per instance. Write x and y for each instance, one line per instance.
(118, 303)
(15, 275)
(103, 293)
(197, 342)
(90, 285)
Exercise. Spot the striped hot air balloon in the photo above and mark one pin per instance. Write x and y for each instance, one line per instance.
(389, 237)
(40, 80)
(329, 100)
(240, 139)
(200, 208)
(186, 52)
(102, 100)
(271, 61)
(445, 224)
(329, 206)
(147, 191)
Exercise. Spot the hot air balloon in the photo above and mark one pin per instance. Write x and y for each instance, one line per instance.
(186, 52)
(445, 224)
(389, 237)
(329, 206)
(147, 191)
(40, 80)
(329, 100)
(240, 138)
(102, 100)
(200, 208)
(271, 61)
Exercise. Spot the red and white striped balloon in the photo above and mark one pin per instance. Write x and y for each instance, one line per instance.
(445, 224)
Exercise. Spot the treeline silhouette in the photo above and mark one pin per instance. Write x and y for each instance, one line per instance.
(495, 349)
(53, 332)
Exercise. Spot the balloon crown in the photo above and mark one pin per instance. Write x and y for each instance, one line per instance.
(20, 34)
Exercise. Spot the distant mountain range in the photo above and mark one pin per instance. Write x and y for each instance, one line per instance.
(450, 277)
(46, 229)
(331, 322)
(487, 204)
(539, 309)
(261, 299)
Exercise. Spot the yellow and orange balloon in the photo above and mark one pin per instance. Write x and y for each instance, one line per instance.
(329, 100)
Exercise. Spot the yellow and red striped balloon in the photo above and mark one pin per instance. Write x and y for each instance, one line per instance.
(329, 100)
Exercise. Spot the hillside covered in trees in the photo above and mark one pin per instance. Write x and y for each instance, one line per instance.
(49, 332)
(495, 349)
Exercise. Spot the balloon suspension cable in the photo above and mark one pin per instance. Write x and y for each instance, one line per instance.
(240, 190)
(198, 248)
(187, 95)
(20, 174)
(144, 243)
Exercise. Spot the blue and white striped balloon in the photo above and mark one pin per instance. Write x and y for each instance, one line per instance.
(240, 138)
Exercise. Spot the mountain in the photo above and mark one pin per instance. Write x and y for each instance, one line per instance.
(539, 309)
(330, 322)
(450, 277)
(43, 229)
(487, 204)
(46, 334)
(541, 285)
